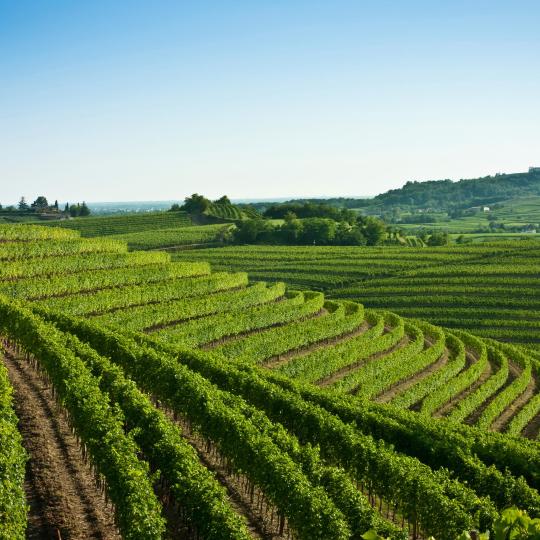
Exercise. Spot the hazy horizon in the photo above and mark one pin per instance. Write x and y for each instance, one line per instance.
(113, 101)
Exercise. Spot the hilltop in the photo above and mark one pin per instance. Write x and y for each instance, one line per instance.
(446, 194)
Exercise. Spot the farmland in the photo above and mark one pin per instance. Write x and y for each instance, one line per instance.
(123, 224)
(492, 289)
(213, 406)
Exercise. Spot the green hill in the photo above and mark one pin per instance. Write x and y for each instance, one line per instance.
(446, 195)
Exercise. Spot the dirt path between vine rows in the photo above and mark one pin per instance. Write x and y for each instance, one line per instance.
(323, 312)
(247, 500)
(344, 371)
(277, 361)
(501, 423)
(532, 429)
(484, 376)
(404, 384)
(513, 374)
(60, 489)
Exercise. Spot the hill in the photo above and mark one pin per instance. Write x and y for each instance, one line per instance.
(260, 410)
(446, 195)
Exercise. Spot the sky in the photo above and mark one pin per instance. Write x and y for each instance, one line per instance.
(155, 100)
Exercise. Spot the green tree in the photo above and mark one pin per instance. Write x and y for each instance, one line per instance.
(349, 235)
(438, 238)
(196, 204)
(252, 231)
(223, 200)
(40, 204)
(374, 231)
(291, 229)
(84, 211)
(318, 231)
(23, 205)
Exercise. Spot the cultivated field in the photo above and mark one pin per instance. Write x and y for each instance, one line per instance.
(490, 289)
(208, 406)
(123, 224)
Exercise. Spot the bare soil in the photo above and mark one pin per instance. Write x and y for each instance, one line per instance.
(449, 405)
(61, 490)
(247, 500)
(404, 384)
(343, 372)
(276, 361)
(532, 429)
(503, 420)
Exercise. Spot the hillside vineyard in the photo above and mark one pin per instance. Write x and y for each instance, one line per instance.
(492, 289)
(209, 406)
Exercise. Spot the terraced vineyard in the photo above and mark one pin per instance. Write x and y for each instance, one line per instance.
(173, 237)
(491, 289)
(213, 407)
(230, 212)
(123, 224)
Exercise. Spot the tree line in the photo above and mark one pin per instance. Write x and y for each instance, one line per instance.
(42, 206)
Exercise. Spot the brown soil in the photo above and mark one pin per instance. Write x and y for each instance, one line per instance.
(513, 373)
(404, 384)
(343, 372)
(502, 421)
(235, 337)
(277, 361)
(64, 501)
(93, 290)
(486, 374)
(247, 500)
(176, 322)
(532, 429)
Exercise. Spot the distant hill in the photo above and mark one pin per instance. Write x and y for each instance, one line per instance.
(445, 194)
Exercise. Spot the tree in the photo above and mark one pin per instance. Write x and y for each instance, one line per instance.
(291, 229)
(223, 200)
(56, 205)
(290, 216)
(84, 211)
(174, 208)
(347, 235)
(438, 238)
(251, 231)
(74, 210)
(66, 208)
(40, 204)
(196, 204)
(374, 231)
(318, 231)
(23, 205)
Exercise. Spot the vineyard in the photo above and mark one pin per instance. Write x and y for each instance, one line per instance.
(492, 290)
(173, 237)
(230, 212)
(123, 224)
(181, 399)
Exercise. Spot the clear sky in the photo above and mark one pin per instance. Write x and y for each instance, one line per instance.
(152, 100)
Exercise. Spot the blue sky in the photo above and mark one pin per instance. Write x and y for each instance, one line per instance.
(156, 100)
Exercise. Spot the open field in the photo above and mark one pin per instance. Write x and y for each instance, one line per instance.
(281, 412)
